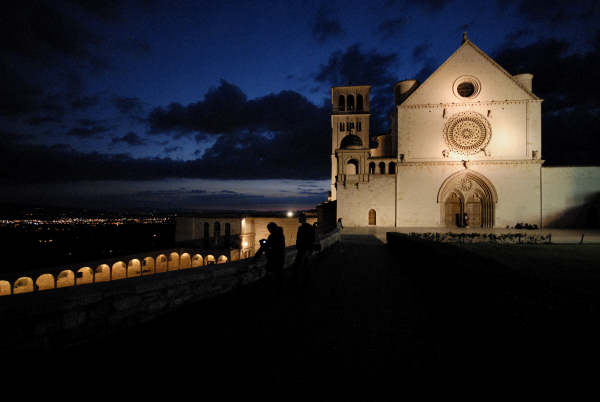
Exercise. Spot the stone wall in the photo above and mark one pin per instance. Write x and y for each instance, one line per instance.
(517, 186)
(354, 203)
(58, 318)
(571, 196)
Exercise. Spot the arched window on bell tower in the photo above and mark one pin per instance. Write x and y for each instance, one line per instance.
(350, 103)
(359, 103)
(341, 103)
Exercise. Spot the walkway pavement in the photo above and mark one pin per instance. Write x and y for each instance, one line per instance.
(353, 315)
(365, 315)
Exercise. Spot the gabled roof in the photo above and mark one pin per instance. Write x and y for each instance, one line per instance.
(467, 42)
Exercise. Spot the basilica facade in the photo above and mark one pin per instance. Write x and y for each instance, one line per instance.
(465, 149)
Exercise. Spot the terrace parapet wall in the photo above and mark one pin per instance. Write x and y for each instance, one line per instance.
(61, 317)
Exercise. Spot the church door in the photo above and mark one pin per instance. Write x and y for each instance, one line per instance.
(372, 217)
(474, 211)
(453, 211)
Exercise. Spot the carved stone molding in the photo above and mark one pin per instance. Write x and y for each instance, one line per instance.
(467, 104)
(473, 162)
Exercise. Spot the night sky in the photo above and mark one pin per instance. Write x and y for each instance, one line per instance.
(225, 104)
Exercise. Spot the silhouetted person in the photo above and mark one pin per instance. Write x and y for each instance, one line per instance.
(305, 240)
(466, 220)
(274, 249)
(339, 224)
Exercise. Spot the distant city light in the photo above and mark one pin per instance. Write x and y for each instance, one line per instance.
(290, 214)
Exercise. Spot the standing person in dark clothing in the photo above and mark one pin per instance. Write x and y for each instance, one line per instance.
(305, 240)
(274, 248)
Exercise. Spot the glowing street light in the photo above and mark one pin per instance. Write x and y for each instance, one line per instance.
(290, 214)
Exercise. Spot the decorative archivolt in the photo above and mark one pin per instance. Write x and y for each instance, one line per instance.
(467, 183)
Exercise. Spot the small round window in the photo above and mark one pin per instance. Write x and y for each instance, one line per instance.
(466, 87)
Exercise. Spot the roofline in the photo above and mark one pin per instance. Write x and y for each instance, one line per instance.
(481, 52)
(351, 86)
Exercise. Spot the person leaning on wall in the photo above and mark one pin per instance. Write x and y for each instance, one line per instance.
(274, 249)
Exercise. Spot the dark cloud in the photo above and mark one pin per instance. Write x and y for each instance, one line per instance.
(17, 94)
(276, 136)
(513, 38)
(392, 27)
(105, 9)
(224, 109)
(569, 83)
(138, 46)
(420, 51)
(426, 5)
(357, 67)
(30, 163)
(464, 28)
(168, 150)
(130, 138)
(128, 106)
(45, 46)
(48, 47)
(88, 130)
(39, 120)
(45, 30)
(196, 200)
(557, 11)
(87, 122)
(84, 102)
(429, 66)
(433, 5)
(326, 25)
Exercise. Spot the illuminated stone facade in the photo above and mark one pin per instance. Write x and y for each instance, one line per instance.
(466, 141)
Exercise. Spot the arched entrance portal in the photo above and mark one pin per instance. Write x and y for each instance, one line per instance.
(453, 207)
(467, 198)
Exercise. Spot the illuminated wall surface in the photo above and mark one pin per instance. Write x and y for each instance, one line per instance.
(249, 230)
(465, 141)
(135, 267)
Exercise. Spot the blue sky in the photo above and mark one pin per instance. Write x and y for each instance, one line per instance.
(231, 97)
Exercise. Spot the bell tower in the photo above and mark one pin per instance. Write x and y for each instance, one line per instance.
(350, 119)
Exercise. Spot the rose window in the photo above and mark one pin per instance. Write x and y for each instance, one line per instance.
(467, 133)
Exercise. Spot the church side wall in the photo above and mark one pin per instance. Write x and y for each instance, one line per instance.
(517, 187)
(354, 203)
(571, 196)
